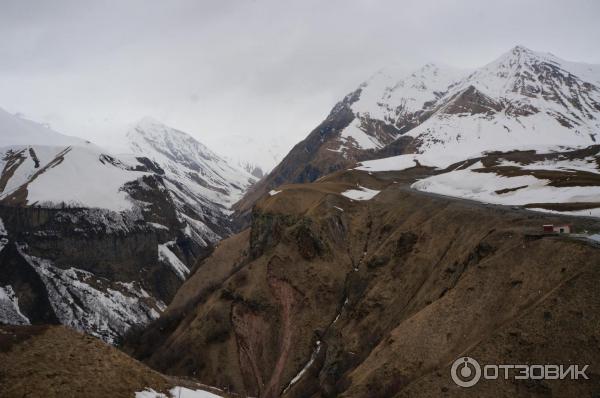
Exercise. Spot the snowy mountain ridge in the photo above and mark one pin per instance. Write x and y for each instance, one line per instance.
(189, 162)
(138, 221)
(385, 100)
(437, 116)
(522, 100)
(522, 131)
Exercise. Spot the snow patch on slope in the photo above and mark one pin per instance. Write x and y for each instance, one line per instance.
(353, 135)
(167, 256)
(10, 313)
(400, 162)
(361, 193)
(83, 180)
(92, 304)
(519, 190)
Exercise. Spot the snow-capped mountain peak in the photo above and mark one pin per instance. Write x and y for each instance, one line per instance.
(397, 102)
(523, 82)
(410, 92)
(188, 163)
(524, 99)
(174, 144)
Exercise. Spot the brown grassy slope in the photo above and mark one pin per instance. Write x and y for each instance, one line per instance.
(54, 361)
(416, 281)
(562, 329)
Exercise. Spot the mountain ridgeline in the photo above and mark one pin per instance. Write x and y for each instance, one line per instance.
(409, 229)
(522, 100)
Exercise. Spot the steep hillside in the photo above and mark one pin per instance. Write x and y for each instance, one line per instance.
(101, 242)
(54, 361)
(524, 100)
(201, 184)
(188, 163)
(357, 286)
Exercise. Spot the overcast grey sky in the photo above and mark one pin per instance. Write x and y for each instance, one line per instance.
(268, 70)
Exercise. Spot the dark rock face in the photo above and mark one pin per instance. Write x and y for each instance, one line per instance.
(472, 102)
(31, 291)
(267, 231)
(68, 265)
(68, 237)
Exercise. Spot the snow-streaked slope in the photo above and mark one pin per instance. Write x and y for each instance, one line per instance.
(15, 130)
(534, 102)
(50, 168)
(95, 305)
(188, 162)
(167, 256)
(389, 98)
(75, 176)
(252, 168)
(522, 100)
(3, 235)
(201, 185)
(497, 189)
(40, 166)
(567, 182)
(173, 194)
(9, 308)
(396, 102)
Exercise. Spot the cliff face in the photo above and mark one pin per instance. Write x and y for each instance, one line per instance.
(93, 270)
(68, 237)
(330, 296)
(102, 242)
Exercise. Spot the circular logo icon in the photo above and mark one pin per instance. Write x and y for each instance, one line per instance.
(465, 372)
